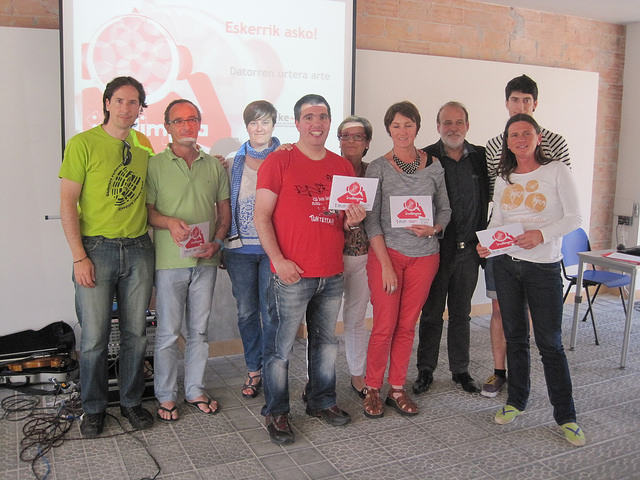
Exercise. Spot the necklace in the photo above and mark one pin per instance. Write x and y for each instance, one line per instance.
(408, 168)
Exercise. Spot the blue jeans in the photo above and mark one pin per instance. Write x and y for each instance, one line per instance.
(539, 285)
(250, 274)
(454, 285)
(182, 293)
(489, 279)
(319, 299)
(124, 268)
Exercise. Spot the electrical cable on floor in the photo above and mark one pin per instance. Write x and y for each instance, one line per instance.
(141, 442)
(46, 462)
(116, 371)
(46, 427)
(114, 363)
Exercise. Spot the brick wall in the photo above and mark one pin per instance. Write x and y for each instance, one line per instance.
(467, 29)
(29, 13)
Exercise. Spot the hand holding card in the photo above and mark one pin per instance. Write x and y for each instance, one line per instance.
(500, 240)
(346, 191)
(198, 237)
(411, 210)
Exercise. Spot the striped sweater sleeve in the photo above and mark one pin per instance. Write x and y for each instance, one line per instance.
(555, 146)
(493, 152)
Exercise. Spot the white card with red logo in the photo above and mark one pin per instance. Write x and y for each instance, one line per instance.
(348, 190)
(501, 239)
(407, 210)
(198, 236)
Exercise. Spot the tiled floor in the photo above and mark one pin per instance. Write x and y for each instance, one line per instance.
(454, 436)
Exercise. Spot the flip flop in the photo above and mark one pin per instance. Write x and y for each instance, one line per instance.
(170, 412)
(206, 402)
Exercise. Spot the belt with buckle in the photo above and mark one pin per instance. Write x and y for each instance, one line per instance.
(461, 245)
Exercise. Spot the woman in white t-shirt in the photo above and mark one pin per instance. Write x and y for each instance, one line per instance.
(540, 194)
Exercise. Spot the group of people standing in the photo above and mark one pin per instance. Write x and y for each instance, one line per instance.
(292, 259)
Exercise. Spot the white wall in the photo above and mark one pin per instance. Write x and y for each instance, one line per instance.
(35, 284)
(383, 78)
(628, 183)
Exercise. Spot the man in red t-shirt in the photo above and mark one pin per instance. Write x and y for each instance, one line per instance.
(304, 241)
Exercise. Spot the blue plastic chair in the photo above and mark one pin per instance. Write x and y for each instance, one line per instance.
(577, 241)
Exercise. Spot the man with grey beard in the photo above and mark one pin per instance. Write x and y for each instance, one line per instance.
(468, 189)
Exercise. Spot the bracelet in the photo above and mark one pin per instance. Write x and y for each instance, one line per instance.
(354, 227)
(82, 259)
(219, 242)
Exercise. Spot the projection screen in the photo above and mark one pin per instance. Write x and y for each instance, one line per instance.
(219, 54)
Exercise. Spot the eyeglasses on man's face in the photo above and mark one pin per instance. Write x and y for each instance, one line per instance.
(356, 137)
(179, 122)
(126, 153)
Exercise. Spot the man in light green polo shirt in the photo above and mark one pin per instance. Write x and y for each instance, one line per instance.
(187, 197)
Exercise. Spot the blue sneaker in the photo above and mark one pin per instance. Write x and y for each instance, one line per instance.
(574, 434)
(507, 414)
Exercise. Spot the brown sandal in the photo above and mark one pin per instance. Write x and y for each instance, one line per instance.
(402, 403)
(373, 403)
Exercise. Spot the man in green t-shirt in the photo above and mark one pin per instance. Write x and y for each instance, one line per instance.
(104, 218)
(190, 212)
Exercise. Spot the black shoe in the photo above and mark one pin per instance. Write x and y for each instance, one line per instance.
(139, 418)
(466, 381)
(332, 415)
(361, 393)
(423, 382)
(92, 424)
(279, 429)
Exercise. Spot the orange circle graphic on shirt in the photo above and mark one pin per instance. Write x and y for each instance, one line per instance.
(536, 202)
(512, 197)
(532, 186)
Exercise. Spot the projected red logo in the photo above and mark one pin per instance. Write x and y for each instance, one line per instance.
(139, 46)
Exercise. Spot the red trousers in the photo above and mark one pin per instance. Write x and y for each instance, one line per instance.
(395, 316)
